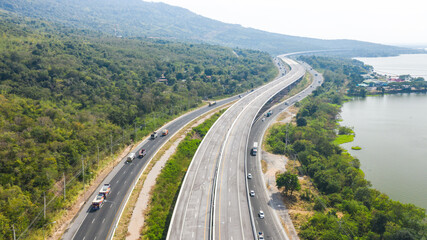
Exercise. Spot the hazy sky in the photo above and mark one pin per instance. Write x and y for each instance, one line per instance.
(381, 21)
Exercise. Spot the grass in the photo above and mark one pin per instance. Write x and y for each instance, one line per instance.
(356, 148)
(343, 139)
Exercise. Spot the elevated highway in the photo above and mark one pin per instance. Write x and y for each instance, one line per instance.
(214, 202)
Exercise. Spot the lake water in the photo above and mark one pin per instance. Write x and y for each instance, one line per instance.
(392, 131)
(413, 64)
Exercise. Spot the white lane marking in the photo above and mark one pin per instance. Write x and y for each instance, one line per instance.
(93, 220)
(103, 220)
(230, 219)
(124, 172)
(94, 238)
(117, 181)
(125, 182)
(84, 238)
(229, 203)
(110, 207)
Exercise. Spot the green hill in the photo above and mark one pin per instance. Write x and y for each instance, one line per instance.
(136, 18)
(65, 92)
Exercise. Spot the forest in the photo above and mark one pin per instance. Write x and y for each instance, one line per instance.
(347, 206)
(70, 97)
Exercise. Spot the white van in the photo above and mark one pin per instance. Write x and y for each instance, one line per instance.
(254, 149)
(130, 157)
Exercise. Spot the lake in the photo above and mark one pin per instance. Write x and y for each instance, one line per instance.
(392, 131)
(413, 64)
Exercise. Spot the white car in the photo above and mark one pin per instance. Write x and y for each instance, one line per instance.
(249, 176)
(261, 214)
(252, 193)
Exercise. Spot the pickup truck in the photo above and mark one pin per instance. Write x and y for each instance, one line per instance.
(154, 135)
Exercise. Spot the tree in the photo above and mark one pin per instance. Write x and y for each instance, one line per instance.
(301, 122)
(379, 223)
(289, 181)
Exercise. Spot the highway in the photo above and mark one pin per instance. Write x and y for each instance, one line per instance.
(213, 202)
(101, 224)
(270, 226)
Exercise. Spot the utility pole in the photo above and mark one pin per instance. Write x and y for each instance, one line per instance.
(111, 151)
(134, 134)
(44, 205)
(97, 158)
(13, 228)
(83, 174)
(64, 187)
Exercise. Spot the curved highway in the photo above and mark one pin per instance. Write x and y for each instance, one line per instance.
(213, 202)
(101, 224)
(271, 205)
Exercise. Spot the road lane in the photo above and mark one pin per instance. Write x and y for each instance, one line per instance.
(272, 205)
(232, 219)
(122, 179)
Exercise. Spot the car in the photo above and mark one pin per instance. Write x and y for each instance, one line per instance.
(142, 153)
(252, 193)
(105, 190)
(249, 176)
(98, 201)
(260, 236)
(261, 214)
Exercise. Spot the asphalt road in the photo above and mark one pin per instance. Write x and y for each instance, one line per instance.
(213, 202)
(100, 224)
(271, 205)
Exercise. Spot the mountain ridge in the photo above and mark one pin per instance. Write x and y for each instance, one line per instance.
(134, 18)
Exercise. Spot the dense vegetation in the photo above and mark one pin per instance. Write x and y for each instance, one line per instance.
(348, 207)
(65, 92)
(169, 182)
(136, 18)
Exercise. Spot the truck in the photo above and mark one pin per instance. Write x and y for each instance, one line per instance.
(130, 157)
(254, 149)
(165, 132)
(212, 103)
(105, 190)
(154, 135)
(98, 201)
